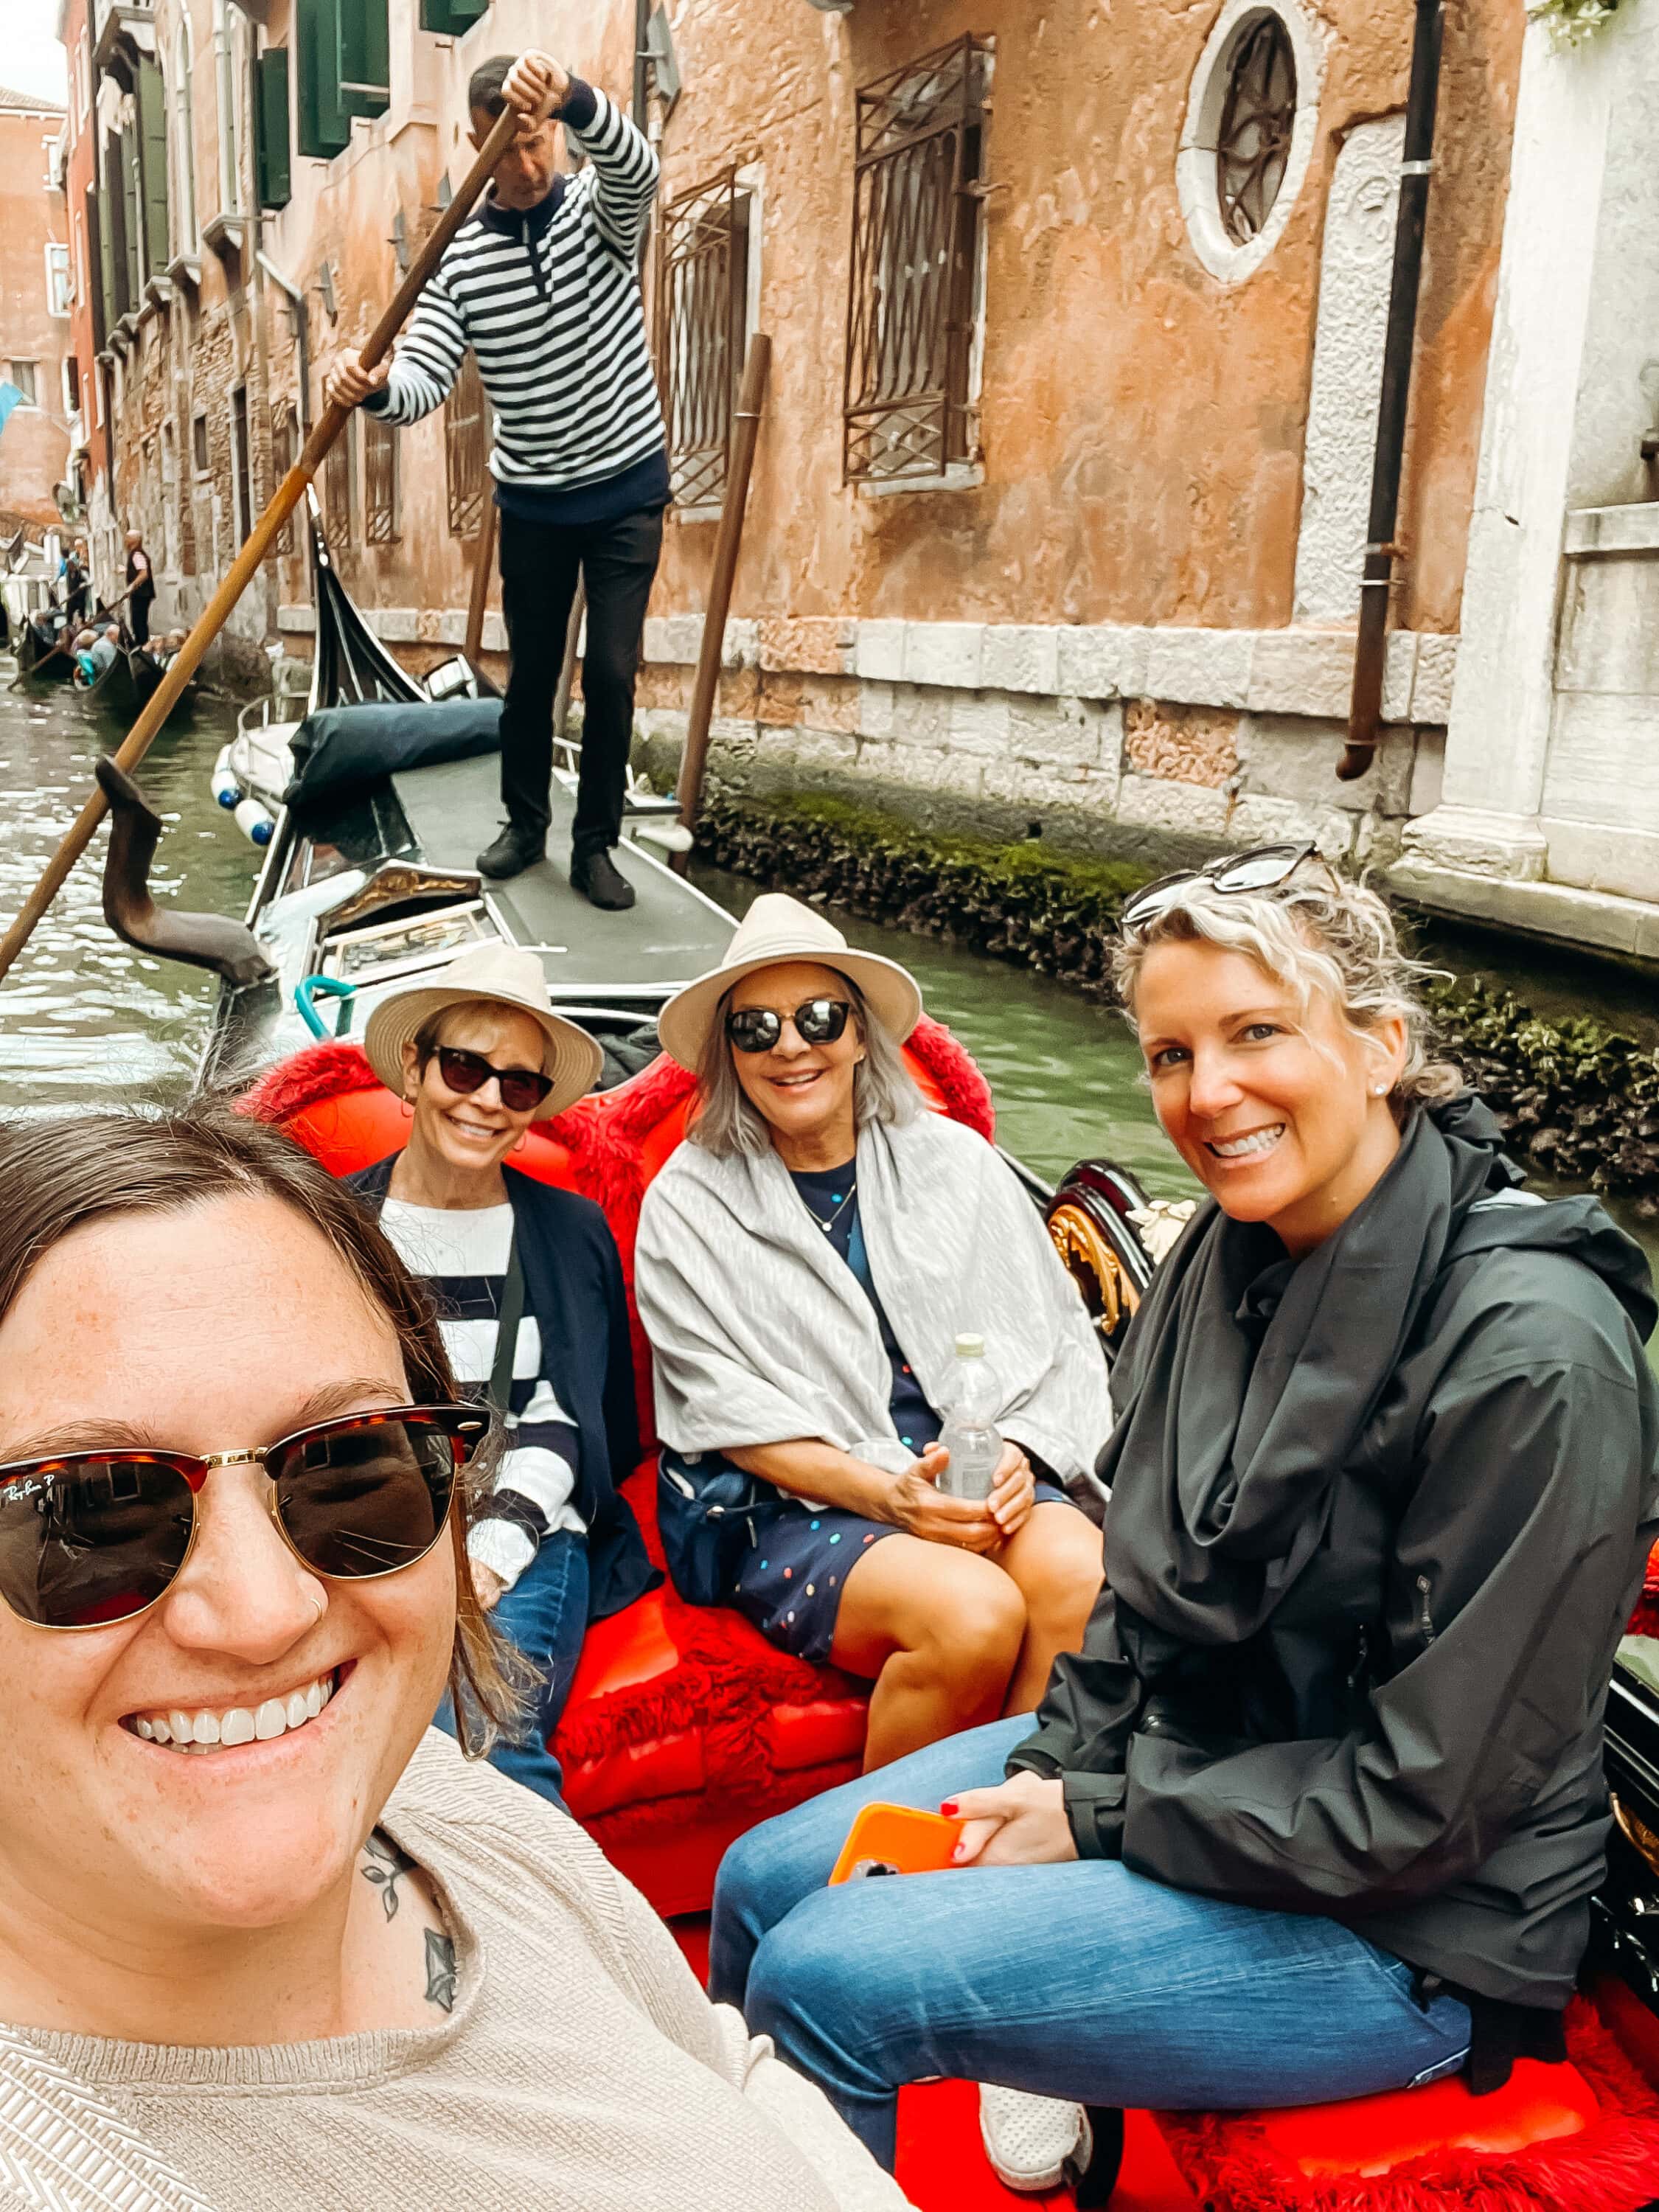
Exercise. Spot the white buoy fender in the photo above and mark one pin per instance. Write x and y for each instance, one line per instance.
(252, 820)
(222, 782)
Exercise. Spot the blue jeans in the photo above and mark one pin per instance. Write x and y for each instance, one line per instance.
(545, 1615)
(1081, 1980)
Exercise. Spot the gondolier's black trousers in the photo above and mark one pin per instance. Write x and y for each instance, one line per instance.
(540, 564)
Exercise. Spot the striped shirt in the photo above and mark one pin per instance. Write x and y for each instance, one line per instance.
(549, 303)
(462, 1254)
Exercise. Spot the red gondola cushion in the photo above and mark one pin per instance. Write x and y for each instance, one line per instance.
(1578, 2137)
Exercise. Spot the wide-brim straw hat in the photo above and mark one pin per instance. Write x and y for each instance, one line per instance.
(778, 928)
(503, 975)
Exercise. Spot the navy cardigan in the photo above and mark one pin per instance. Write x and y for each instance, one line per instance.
(573, 1282)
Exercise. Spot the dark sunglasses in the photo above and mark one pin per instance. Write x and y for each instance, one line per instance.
(1263, 868)
(522, 1089)
(817, 1021)
(91, 1537)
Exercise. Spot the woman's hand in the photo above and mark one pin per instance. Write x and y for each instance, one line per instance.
(1021, 1822)
(1013, 1492)
(487, 1584)
(536, 84)
(921, 1510)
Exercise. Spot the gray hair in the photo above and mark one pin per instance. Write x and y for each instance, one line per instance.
(725, 1123)
(1332, 936)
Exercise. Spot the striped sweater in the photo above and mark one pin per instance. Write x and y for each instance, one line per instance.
(549, 303)
(462, 1254)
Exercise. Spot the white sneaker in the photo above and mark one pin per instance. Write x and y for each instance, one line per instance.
(1033, 2143)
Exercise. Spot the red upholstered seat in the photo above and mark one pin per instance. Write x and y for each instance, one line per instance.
(1582, 2137)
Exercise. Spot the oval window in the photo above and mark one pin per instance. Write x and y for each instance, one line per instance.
(1258, 116)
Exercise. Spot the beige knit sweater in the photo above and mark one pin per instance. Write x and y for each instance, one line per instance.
(582, 2069)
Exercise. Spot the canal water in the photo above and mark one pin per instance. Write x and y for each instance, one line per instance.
(83, 1018)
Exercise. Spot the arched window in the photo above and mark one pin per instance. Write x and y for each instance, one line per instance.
(1257, 118)
(185, 238)
(226, 52)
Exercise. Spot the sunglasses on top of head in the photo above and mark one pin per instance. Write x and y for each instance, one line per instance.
(817, 1021)
(522, 1089)
(1263, 868)
(89, 1538)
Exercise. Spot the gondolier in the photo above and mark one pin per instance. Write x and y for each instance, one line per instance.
(540, 284)
(141, 588)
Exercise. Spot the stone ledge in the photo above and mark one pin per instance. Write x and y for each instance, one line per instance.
(1292, 671)
(406, 625)
(1603, 530)
(1541, 909)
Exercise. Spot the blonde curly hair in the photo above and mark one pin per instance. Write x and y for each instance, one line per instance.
(1329, 935)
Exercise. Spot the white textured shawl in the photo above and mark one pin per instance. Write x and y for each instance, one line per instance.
(762, 1333)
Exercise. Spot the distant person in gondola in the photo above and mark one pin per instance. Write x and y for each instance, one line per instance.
(804, 1264)
(75, 583)
(477, 1056)
(94, 653)
(140, 580)
(543, 285)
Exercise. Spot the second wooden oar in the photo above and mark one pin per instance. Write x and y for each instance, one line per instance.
(286, 498)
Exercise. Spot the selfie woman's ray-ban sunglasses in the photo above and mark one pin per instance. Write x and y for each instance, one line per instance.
(89, 1538)
(1263, 868)
(817, 1021)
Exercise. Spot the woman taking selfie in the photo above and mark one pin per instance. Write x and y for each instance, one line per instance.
(805, 1263)
(1317, 1810)
(529, 1290)
(258, 1928)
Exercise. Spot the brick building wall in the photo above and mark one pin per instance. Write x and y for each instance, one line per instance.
(34, 444)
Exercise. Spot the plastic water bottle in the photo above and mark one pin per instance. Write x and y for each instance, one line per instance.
(970, 1434)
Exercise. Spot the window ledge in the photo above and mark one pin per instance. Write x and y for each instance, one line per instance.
(707, 511)
(158, 293)
(186, 269)
(225, 234)
(961, 476)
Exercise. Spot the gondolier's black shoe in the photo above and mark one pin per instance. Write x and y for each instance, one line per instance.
(602, 883)
(512, 852)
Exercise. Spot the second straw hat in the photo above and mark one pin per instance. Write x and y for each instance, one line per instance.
(777, 928)
(504, 975)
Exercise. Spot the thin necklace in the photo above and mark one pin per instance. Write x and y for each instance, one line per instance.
(827, 1224)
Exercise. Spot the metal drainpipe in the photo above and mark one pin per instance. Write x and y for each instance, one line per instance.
(1365, 705)
(642, 57)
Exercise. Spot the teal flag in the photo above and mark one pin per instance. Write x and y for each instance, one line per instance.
(10, 396)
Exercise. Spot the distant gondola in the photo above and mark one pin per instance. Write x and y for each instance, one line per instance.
(38, 638)
(144, 679)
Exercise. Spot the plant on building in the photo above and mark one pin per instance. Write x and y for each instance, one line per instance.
(1569, 22)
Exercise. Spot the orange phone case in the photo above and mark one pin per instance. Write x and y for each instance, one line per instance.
(896, 1839)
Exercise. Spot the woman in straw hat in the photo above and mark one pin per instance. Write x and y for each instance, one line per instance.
(529, 1288)
(805, 1264)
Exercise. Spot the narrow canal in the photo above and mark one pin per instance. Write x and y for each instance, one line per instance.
(83, 1018)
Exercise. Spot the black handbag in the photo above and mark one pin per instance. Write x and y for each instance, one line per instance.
(706, 1510)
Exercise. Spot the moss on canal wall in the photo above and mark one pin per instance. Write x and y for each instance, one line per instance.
(1579, 1100)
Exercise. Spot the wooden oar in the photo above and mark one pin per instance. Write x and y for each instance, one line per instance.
(86, 622)
(286, 497)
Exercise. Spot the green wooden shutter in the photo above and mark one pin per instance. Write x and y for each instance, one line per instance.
(132, 219)
(271, 130)
(363, 57)
(99, 260)
(152, 107)
(449, 18)
(325, 125)
(115, 226)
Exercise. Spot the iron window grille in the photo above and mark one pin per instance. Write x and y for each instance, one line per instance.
(918, 228)
(338, 472)
(467, 450)
(702, 331)
(284, 445)
(1257, 119)
(380, 482)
